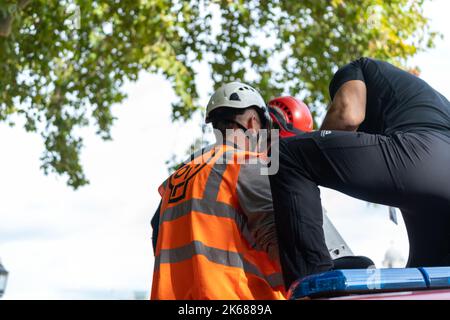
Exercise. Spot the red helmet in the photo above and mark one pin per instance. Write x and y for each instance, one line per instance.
(291, 115)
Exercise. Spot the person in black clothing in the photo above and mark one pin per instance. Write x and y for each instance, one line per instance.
(385, 139)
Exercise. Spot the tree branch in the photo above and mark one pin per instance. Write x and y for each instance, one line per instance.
(23, 3)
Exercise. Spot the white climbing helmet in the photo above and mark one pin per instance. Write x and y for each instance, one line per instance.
(237, 95)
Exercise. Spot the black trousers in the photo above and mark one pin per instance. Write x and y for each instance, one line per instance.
(410, 171)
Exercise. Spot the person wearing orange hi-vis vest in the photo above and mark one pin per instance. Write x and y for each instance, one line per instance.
(216, 237)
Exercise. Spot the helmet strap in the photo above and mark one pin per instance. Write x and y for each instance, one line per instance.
(244, 129)
(239, 125)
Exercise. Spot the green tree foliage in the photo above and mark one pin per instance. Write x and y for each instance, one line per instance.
(63, 63)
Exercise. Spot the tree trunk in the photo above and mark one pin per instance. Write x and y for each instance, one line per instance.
(5, 26)
(6, 23)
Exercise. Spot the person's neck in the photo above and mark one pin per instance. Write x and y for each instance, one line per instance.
(232, 143)
(236, 139)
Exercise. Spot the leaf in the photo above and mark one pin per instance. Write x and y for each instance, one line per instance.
(59, 76)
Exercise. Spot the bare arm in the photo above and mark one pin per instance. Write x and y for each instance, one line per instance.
(348, 109)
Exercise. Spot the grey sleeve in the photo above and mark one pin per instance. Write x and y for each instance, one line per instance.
(255, 199)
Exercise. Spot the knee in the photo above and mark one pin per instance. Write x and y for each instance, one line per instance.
(281, 152)
(353, 262)
(298, 152)
(284, 152)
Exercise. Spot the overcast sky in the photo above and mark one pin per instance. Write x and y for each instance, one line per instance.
(95, 242)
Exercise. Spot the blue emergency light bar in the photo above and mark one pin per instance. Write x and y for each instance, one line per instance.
(437, 277)
(341, 282)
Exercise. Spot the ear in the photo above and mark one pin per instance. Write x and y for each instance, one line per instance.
(255, 123)
(251, 122)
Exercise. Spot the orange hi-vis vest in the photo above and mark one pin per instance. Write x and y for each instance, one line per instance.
(204, 248)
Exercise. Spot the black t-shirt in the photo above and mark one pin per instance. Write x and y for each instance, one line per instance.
(396, 99)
